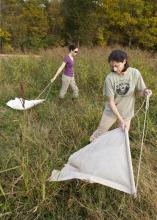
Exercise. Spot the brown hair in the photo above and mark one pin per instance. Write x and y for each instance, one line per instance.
(119, 56)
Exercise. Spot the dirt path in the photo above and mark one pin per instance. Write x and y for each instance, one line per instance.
(19, 55)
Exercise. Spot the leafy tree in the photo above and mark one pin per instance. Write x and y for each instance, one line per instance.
(37, 24)
(55, 23)
(26, 21)
(4, 38)
(80, 21)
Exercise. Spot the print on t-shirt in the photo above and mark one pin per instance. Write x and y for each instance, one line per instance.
(122, 87)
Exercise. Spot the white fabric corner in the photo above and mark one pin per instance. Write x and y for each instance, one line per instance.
(22, 104)
(107, 161)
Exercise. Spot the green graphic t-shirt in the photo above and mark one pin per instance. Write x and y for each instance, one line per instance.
(122, 88)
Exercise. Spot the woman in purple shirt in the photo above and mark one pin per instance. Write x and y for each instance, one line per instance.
(68, 76)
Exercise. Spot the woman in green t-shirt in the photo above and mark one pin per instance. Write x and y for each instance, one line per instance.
(120, 86)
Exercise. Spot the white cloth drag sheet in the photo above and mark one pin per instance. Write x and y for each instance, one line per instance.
(107, 161)
(22, 104)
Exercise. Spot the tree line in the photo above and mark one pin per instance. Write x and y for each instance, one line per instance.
(35, 24)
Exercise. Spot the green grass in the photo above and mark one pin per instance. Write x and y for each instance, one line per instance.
(34, 142)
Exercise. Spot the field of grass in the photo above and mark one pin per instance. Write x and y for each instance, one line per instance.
(34, 142)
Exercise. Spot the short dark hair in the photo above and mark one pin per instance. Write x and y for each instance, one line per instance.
(119, 56)
(72, 47)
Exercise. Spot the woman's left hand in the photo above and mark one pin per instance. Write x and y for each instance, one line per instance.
(147, 92)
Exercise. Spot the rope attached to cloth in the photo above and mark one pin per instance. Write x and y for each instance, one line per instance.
(143, 133)
(46, 87)
(140, 108)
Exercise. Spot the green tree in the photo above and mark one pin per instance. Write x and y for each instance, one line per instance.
(26, 21)
(80, 21)
(4, 38)
(36, 24)
(126, 22)
(55, 23)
